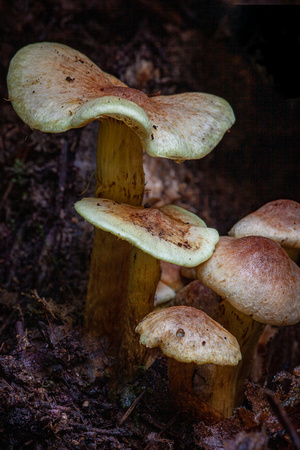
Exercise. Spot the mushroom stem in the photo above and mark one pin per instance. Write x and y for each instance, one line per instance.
(225, 384)
(108, 276)
(123, 279)
(144, 274)
(120, 173)
(180, 377)
(120, 177)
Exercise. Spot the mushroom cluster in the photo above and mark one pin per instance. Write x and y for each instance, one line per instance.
(256, 283)
(257, 280)
(124, 269)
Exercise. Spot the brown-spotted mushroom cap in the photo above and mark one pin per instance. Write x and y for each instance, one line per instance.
(257, 277)
(188, 335)
(169, 233)
(54, 88)
(278, 220)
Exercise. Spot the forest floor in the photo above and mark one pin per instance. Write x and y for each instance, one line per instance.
(54, 379)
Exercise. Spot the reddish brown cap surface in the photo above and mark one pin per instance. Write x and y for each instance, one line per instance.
(278, 220)
(257, 277)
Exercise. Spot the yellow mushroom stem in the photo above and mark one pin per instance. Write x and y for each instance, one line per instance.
(180, 376)
(120, 173)
(115, 263)
(144, 274)
(225, 384)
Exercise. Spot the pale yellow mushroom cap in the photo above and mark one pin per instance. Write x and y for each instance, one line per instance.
(257, 277)
(188, 335)
(169, 233)
(54, 88)
(278, 220)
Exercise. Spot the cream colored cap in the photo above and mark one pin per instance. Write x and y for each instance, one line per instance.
(169, 233)
(54, 88)
(188, 335)
(257, 277)
(278, 220)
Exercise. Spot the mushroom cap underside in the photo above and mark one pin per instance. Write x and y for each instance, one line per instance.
(188, 335)
(169, 233)
(257, 277)
(54, 88)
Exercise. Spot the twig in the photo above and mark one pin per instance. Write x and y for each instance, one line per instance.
(131, 408)
(283, 418)
(45, 304)
(89, 183)
(47, 308)
(171, 421)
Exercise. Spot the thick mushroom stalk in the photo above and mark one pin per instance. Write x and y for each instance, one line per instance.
(54, 88)
(119, 177)
(260, 285)
(188, 337)
(168, 233)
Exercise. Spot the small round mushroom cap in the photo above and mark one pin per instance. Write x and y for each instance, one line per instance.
(54, 88)
(169, 233)
(188, 335)
(278, 220)
(257, 277)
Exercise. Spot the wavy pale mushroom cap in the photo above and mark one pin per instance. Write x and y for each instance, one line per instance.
(188, 335)
(169, 233)
(54, 88)
(257, 277)
(278, 220)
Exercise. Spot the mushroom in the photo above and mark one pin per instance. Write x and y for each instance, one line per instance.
(168, 233)
(278, 220)
(188, 337)
(259, 285)
(54, 88)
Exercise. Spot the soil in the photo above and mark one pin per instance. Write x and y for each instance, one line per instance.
(55, 380)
